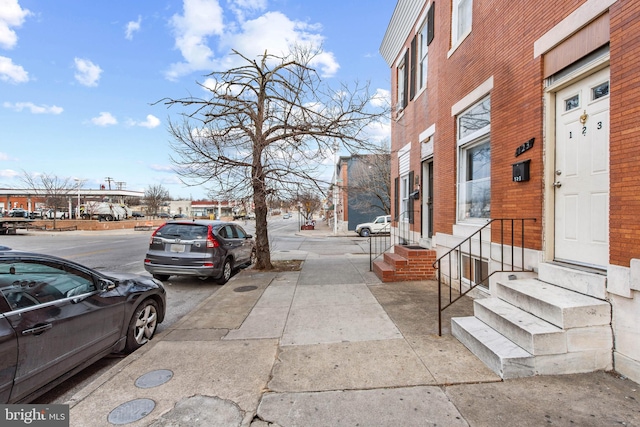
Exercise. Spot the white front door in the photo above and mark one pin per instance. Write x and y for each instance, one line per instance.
(582, 172)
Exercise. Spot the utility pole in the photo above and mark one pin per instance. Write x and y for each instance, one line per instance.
(109, 179)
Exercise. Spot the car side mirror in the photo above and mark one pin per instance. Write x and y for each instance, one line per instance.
(248, 236)
(106, 285)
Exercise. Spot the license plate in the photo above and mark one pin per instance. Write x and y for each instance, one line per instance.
(177, 248)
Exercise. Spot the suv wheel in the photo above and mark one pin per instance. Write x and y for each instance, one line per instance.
(226, 272)
(365, 232)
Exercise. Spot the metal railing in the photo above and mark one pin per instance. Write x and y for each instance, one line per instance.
(398, 233)
(460, 282)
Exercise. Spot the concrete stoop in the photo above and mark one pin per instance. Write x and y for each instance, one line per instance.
(531, 327)
(406, 263)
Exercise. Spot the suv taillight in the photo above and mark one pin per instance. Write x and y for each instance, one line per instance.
(154, 233)
(211, 241)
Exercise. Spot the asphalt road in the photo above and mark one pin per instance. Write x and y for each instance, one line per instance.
(123, 251)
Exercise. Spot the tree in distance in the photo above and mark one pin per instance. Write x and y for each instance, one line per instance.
(266, 129)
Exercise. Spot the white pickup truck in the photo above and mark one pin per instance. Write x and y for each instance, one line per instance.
(380, 225)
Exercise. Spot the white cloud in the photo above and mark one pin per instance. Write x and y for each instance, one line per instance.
(8, 173)
(132, 27)
(11, 15)
(87, 73)
(33, 108)
(200, 20)
(161, 168)
(272, 31)
(150, 123)
(4, 156)
(12, 73)
(104, 119)
(382, 98)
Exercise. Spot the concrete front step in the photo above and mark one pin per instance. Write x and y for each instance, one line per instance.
(509, 360)
(584, 281)
(501, 355)
(526, 330)
(561, 307)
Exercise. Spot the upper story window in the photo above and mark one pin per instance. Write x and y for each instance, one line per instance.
(403, 81)
(461, 20)
(423, 56)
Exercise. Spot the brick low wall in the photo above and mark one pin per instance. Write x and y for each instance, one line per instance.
(97, 225)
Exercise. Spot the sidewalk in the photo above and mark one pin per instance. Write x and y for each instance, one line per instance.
(331, 345)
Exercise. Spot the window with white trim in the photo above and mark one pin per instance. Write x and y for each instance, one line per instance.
(474, 160)
(402, 86)
(460, 20)
(423, 51)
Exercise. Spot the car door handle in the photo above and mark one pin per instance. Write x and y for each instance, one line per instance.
(37, 330)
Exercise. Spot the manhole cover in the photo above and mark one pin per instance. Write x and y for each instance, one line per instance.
(245, 288)
(154, 378)
(131, 411)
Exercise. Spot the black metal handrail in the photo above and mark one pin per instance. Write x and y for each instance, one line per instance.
(380, 243)
(458, 251)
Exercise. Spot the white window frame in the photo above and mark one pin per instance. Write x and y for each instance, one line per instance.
(473, 140)
(423, 56)
(400, 84)
(460, 27)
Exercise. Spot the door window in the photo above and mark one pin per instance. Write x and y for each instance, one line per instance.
(25, 283)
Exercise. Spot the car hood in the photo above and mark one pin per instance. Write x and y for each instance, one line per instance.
(135, 282)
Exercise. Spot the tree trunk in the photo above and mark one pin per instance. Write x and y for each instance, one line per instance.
(263, 252)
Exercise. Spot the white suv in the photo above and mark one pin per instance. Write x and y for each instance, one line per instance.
(382, 224)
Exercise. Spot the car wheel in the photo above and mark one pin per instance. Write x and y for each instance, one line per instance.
(161, 277)
(142, 326)
(365, 232)
(226, 272)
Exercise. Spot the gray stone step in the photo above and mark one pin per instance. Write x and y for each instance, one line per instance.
(502, 356)
(585, 281)
(533, 334)
(561, 307)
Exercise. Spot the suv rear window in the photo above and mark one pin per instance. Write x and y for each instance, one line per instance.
(183, 231)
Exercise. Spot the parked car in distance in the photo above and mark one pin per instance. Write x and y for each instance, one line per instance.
(162, 215)
(137, 214)
(180, 216)
(251, 215)
(286, 216)
(18, 213)
(380, 225)
(57, 317)
(202, 248)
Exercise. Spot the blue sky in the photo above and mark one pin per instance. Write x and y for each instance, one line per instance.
(78, 78)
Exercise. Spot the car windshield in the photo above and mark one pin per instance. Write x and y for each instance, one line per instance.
(183, 231)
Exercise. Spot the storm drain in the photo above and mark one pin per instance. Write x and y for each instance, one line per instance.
(245, 288)
(154, 378)
(131, 411)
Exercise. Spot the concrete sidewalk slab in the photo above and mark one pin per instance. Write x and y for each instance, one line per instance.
(348, 366)
(407, 407)
(212, 368)
(327, 322)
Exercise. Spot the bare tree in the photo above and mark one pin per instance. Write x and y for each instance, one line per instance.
(264, 130)
(309, 203)
(55, 190)
(370, 182)
(154, 197)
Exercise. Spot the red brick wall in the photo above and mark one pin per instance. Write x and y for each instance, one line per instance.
(624, 223)
(500, 46)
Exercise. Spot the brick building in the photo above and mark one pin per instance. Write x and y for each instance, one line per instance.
(525, 110)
